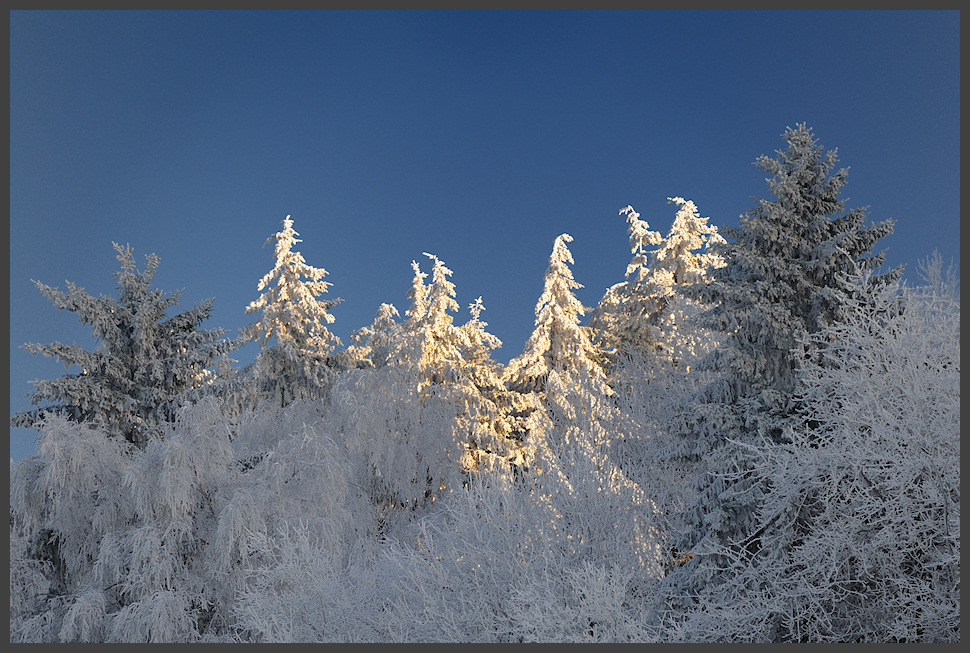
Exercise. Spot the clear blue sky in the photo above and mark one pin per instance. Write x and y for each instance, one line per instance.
(476, 136)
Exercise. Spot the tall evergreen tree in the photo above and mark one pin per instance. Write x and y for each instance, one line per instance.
(650, 331)
(291, 311)
(438, 341)
(456, 366)
(779, 286)
(558, 342)
(493, 435)
(132, 383)
(559, 377)
(646, 315)
(298, 365)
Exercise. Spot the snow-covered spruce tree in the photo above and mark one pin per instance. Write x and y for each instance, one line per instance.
(779, 286)
(298, 365)
(645, 314)
(558, 342)
(450, 358)
(458, 368)
(622, 318)
(654, 317)
(599, 513)
(861, 529)
(437, 341)
(647, 325)
(559, 348)
(132, 382)
(419, 420)
(495, 439)
(650, 331)
(374, 344)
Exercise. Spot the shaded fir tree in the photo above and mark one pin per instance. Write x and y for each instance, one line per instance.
(145, 363)
(780, 285)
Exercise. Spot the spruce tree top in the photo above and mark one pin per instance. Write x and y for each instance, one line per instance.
(558, 341)
(131, 383)
(783, 261)
(291, 311)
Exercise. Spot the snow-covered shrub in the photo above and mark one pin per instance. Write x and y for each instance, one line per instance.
(300, 587)
(401, 442)
(472, 570)
(156, 569)
(64, 500)
(302, 477)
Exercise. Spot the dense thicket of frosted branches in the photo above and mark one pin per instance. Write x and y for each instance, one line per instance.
(860, 531)
(751, 438)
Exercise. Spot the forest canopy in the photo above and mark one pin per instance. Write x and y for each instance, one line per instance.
(752, 436)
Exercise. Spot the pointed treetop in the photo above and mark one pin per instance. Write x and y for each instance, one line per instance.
(291, 310)
(640, 237)
(558, 341)
(476, 308)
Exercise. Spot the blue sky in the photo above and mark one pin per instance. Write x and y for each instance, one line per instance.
(476, 136)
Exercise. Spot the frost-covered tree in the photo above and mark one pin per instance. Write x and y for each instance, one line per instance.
(438, 342)
(457, 366)
(145, 361)
(64, 499)
(649, 329)
(860, 532)
(292, 315)
(646, 323)
(645, 314)
(558, 341)
(479, 343)
(495, 438)
(937, 281)
(563, 407)
(419, 411)
(624, 315)
(374, 345)
(779, 286)
(290, 309)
